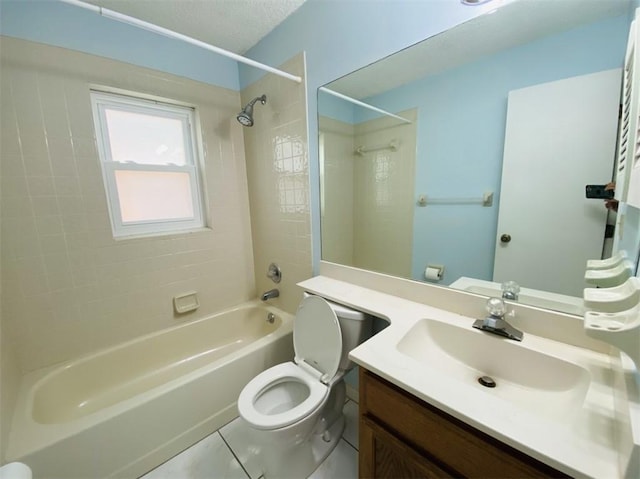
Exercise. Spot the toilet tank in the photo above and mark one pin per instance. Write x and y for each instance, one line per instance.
(355, 327)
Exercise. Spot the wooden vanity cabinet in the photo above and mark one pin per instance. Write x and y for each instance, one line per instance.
(401, 436)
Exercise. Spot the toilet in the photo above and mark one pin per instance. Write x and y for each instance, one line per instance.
(15, 470)
(293, 410)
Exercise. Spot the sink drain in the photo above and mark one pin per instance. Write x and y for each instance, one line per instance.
(487, 382)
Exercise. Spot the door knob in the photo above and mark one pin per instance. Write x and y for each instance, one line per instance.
(505, 238)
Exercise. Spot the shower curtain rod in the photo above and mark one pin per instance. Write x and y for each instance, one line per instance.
(105, 12)
(363, 104)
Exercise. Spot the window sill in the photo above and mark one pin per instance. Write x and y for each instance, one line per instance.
(162, 235)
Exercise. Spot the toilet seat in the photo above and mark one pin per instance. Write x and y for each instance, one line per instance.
(317, 338)
(281, 373)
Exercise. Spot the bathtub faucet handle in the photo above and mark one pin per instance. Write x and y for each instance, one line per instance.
(274, 273)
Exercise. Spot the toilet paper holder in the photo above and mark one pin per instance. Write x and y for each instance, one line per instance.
(434, 272)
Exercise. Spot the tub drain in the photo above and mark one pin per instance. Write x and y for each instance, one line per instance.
(487, 382)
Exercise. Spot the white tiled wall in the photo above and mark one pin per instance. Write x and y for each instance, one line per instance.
(68, 287)
(9, 383)
(278, 175)
(337, 202)
(383, 191)
(368, 204)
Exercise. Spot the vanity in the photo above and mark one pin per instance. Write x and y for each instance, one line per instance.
(393, 442)
(557, 410)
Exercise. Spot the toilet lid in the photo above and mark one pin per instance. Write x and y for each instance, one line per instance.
(317, 339)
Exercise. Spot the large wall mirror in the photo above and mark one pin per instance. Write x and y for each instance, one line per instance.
(478, 175)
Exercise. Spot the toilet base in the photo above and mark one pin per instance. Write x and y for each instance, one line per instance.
(301, 460)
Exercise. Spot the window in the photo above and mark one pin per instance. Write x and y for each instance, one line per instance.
(149, 163)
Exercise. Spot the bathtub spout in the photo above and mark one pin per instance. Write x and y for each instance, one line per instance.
(272, 293)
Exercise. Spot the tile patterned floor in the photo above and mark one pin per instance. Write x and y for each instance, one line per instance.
(225, 455)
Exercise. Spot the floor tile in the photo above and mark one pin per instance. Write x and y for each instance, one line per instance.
(213, 457)
(351, 423)
(207, 459)
(236, 435)
(342, 463)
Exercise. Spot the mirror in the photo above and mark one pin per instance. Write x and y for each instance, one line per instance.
(447, 194)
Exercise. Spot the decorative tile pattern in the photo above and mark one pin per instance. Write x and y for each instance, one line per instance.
(383, 198)
(278, 176)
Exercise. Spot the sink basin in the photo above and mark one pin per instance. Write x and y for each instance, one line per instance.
(526, 378)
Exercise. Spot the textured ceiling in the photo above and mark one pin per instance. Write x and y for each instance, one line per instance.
(235, 25)
(513, 24)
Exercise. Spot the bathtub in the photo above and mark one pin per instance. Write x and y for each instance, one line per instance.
(124, 410)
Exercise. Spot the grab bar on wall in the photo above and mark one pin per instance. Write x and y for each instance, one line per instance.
(362, 104)
(392, 145)
(486, 200)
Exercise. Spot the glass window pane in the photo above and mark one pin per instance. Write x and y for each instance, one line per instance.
(146, 139)
(154, 195)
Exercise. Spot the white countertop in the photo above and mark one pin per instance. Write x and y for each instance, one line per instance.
(583, 444)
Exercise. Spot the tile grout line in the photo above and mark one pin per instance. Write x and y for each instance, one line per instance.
(357, 405)
(262, 476)
(356, 449)
(233, 454)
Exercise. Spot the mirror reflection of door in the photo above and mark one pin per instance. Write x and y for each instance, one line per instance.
(542, 202)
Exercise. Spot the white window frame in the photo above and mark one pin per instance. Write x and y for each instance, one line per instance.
(102, 100)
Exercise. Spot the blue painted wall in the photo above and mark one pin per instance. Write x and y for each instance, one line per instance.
(467, 160)
(341, 36)
(337, 36)
(336, 108)
(66, 26)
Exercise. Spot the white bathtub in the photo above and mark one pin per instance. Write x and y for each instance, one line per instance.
(122, 411)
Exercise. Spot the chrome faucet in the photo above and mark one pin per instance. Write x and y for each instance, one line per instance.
(495, 323)
(510, 290)
(272, 293)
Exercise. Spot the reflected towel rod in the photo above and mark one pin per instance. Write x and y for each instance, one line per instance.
(392, 145)
(486, 200)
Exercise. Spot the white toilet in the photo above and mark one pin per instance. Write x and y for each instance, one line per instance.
(294, 409)
(15, 470)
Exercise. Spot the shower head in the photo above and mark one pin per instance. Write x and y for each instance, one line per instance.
(245, 117)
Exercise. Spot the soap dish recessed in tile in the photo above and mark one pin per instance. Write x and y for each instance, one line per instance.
(184, 303)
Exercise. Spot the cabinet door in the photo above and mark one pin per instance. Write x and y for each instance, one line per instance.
(402, 436)
(383, 456)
